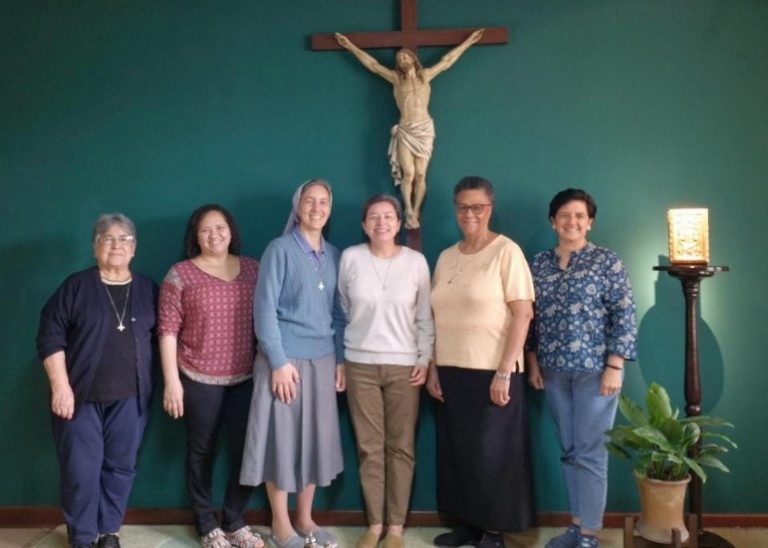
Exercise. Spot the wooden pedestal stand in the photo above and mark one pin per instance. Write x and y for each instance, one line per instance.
(631, 541)
(690, 277)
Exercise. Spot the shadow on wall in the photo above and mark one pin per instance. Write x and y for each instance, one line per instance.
(661, 345)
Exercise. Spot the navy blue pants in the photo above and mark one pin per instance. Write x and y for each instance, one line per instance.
(97, 451)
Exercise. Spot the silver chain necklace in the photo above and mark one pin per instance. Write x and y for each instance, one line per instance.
(382, 281)
(120, 316)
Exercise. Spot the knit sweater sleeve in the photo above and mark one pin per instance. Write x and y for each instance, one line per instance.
(425, 327)
(265, 304)
(339, 318)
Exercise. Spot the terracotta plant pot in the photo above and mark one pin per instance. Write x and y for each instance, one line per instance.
(661, 509)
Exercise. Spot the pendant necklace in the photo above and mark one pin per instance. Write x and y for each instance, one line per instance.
(317, 261)
(458, 268)
(120, 316)
(382, 281)
(318, 268)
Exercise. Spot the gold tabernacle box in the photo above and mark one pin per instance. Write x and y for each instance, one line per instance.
(688, 236)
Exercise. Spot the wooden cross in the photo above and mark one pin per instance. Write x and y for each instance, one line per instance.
(409, 36)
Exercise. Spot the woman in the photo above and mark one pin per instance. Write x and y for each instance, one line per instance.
(482, 298)
(207, 347)
(384, 291)
(95, 341)
(584, 329)
(293, 441)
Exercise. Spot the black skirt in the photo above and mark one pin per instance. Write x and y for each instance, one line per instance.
(483, 452)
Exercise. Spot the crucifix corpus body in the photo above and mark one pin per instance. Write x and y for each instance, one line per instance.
(412, 138)
(411, 144)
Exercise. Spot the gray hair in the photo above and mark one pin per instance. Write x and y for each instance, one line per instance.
(106, 220)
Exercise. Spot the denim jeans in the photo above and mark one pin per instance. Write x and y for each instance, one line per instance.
(582, 416)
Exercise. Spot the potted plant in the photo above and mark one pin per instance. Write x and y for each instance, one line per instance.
(662, 443)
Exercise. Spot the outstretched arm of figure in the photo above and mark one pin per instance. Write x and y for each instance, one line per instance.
(366, 60)
(452, 56)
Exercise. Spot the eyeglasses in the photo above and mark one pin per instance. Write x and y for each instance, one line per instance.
(108, 240)
(476, 209)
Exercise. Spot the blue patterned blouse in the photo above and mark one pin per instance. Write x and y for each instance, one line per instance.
(583, 313)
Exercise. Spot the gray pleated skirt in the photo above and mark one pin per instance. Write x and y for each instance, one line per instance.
(296, 444)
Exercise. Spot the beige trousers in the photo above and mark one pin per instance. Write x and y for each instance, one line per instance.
(384, 408)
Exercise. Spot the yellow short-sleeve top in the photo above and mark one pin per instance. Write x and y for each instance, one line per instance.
(470, 294)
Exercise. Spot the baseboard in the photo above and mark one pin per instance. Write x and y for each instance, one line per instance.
(36, 516)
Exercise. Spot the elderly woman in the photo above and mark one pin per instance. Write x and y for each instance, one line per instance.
(207, 348)
(482, 298)
(385, 291)
(293, 442)
(584, 330)
(95, 340)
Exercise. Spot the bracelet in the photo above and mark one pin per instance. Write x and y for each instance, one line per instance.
(503, 376)
(616, 367)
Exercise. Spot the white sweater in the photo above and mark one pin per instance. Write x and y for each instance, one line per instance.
(387, 305)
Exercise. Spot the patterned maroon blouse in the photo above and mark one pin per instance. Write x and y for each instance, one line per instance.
(212, 320)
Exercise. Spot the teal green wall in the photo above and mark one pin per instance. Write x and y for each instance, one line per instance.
(154, 107)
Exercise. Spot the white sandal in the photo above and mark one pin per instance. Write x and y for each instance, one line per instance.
(245, 538)
(215, 539)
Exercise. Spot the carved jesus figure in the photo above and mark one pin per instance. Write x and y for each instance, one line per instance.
(410, 146)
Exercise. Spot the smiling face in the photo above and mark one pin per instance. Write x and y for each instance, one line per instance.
(473, 212)
(314, 208)
(114, 248)
(572, 223)
(214, 234)
(381, 223)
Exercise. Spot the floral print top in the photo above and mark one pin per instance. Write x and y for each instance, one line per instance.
(584, 312)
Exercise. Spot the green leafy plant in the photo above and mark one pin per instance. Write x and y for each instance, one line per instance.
(662, 443)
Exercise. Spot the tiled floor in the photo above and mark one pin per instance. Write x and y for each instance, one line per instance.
(180, 536)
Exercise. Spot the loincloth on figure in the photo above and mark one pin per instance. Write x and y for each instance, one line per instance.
(418, 137)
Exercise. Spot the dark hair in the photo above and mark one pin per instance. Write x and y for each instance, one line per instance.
(191, 247)
(378, 198)
(569, 195)
(472, 182)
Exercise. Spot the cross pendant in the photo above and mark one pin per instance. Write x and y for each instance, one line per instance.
(121, 327)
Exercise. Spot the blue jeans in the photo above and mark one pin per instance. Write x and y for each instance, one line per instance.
(582, 416)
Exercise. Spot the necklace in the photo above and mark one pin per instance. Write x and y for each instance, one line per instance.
(382, 281)
(120, 316)
(317, 266)
(458, 268)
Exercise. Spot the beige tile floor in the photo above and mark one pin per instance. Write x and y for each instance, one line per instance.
(180, 536)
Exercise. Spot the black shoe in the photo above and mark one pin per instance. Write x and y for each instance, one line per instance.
(108, 541)
(91, 545)
(491, 540)
(461, 536)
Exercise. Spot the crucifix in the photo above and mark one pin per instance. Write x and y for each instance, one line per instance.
(410, 147)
